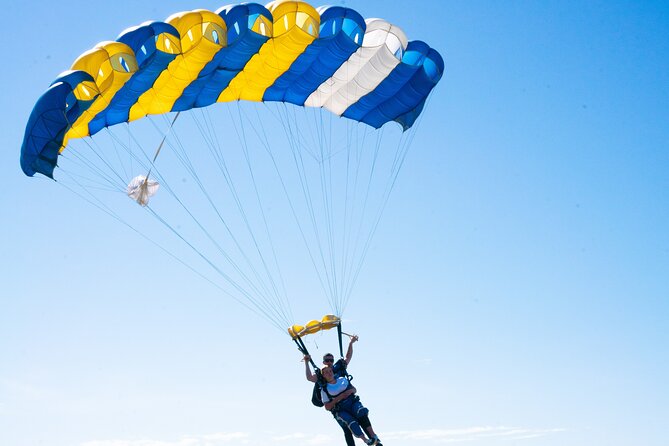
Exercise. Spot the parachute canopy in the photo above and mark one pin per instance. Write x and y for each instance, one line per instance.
(286, 51)
(255, 189)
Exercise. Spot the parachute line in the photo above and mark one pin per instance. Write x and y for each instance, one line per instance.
(183, 158)
(94, 201)
(265, 142)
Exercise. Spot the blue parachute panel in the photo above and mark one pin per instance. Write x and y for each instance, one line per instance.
(407, 102)
(52, 116)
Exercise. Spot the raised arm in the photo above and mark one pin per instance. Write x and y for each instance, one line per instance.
(307, 370)
(349, 352)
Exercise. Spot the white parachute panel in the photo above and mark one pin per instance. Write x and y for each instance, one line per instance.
(381, 51)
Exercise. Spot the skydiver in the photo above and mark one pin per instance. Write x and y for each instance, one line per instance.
(328, 358)
(339, 369)
(339, 397)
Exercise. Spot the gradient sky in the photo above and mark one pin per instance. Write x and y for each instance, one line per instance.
(516, 293)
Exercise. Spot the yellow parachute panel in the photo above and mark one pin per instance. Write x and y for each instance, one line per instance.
(111, 64)
(295, 27)
(203, 34)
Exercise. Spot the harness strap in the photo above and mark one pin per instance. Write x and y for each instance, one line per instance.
(341, 348)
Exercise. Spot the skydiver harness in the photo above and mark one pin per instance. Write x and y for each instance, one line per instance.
(322, 385)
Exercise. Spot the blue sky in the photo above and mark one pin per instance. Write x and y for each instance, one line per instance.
(516, 292)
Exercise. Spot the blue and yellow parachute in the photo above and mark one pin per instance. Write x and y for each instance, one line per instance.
(244, 211)
(286, 51)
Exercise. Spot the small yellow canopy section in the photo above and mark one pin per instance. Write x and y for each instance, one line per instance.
(111, 64)
(329, 321)
(295, 27)
(203, 34)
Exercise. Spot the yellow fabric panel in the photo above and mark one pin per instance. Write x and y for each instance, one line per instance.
(312, 327)
(295, 330)
(262, 26)
(85, 91)
(289, 13)
(167, 43)
(111, 64)
(198, 30)
(295, 27)
(329, 321)
(199, 23)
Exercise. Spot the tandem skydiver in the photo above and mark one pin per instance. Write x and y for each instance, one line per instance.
(338, 396)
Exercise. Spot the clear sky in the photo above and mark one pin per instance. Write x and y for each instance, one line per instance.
(516, 292)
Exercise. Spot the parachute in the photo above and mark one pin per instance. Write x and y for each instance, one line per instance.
(264, 88)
